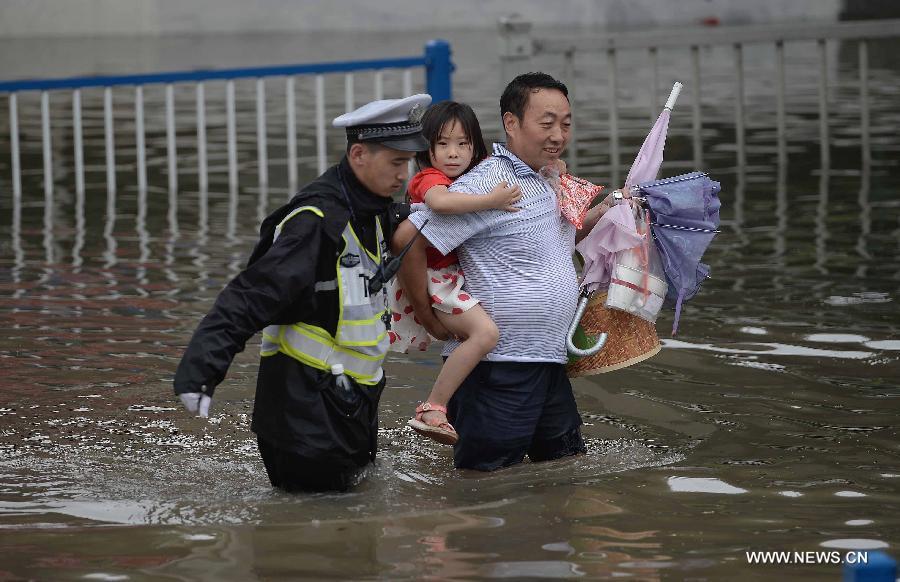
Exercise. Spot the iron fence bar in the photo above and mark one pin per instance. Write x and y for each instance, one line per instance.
(171, 148)
(290, 105)
(320, 124)
(348, 93)
(109, 140)
(613, 116)
(48, 177)
(654, 85)
(379, 85)
(202, 172)
(78, 142)
(48, 153)
(139, 138)
(231, 138)
(780, 118)
(407, 83)
(739, 130)
(864, 121)
(696, 124)
(825, 147)
(14, 146)
(569, 74)
(261, 150)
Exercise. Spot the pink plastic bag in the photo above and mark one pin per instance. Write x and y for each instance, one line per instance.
(575, 197)
(574, 194)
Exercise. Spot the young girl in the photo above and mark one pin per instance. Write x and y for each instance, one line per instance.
(455, 147)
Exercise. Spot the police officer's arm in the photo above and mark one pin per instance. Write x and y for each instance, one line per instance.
(284, 275)
(413, 279)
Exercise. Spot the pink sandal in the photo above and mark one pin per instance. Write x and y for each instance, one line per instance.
(443, 433)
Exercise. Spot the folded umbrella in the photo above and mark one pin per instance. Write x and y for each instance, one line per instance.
(685, 218)
(649, 158)
(644, 168)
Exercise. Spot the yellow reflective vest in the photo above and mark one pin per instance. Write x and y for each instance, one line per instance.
(361, 341)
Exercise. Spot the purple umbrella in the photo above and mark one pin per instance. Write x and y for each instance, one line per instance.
(596, 268)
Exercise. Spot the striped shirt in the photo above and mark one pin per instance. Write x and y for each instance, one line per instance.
(518, 264)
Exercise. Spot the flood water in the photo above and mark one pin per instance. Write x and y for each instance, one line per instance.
(769, 423)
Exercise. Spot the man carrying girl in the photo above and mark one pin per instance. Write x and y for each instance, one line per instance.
(517, 400)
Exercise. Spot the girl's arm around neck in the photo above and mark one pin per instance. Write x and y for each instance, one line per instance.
(441, 200)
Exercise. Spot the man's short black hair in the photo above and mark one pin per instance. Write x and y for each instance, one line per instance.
(373, 146)
(515, 96)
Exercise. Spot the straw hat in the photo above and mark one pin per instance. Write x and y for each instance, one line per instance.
(630, 339)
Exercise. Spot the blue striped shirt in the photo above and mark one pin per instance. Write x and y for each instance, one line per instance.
(518, 264)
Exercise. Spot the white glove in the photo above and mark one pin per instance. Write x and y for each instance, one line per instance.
(196, 403)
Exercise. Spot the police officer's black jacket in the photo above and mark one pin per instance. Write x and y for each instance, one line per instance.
(278, 287)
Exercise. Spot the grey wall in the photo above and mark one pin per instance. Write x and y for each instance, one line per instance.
(79, 18)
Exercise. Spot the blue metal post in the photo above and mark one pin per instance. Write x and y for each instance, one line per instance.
(879, 567)
(438, 70)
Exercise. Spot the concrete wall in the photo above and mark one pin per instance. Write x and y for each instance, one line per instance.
(89, 18)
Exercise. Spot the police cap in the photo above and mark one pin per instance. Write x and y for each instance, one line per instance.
(395, 123)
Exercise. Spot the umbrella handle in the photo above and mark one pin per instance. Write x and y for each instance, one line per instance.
(673, 96)
(570, 345)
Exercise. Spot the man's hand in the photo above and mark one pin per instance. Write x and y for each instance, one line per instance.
(432, 324)
(196, 403)
(596, 212)
(609, 201)
(413, 280)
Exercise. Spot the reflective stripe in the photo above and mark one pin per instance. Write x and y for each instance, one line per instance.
(326, 285)
(361, 335)
(359, 321)
(294, 213)
(313, 346)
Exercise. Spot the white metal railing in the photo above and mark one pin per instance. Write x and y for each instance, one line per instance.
(435, 62)
(519, 47)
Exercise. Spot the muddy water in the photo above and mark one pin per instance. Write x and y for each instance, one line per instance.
(768, 423)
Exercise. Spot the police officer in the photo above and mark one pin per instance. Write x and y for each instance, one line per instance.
(312, 286)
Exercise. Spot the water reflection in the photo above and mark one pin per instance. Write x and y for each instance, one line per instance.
(16, 235)
(780, 233)
(769, 349)
(49, 255)
(143, 236)
(172, 239)
(702, 485)
(262, 203)
(865, 220)
(80, 230)
(821, 228)
(108, 230)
